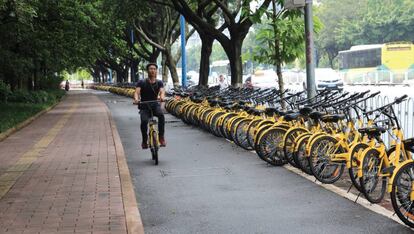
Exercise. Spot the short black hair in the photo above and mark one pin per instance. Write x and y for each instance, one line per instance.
(151, 64)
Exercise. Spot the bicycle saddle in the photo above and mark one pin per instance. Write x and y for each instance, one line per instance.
(258, 112)
(372, 131)
(242, 102)
(229, 107)
(184, 94)
(248, 109)
(270, 111)
(332, 118)
(316, 115)
(305, 111)
(224, 103)
(409, 143)
(197, 99)
(245, 108)
(283, 113)
(292, 116)
(212, 102)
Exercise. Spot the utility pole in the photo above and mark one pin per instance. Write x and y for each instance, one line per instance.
(183, 55)
(132, 57)
(110, 76)
(310, 50)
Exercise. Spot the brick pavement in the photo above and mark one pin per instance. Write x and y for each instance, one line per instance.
(66, 173)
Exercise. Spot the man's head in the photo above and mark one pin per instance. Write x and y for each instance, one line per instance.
(221, 78)
(152, 70)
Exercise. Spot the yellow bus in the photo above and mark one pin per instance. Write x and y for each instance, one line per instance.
(390, 63)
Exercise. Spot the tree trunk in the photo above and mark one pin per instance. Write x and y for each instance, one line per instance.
(206, 50)
(164, 68)
(120, 75)
(173, 69)
(331, 57)
(30, 83)
(331, 62)
(154, 56)
(233, 52)
(133, 70)
(281, 83)
(278, 58)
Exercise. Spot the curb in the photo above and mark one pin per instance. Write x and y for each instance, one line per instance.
(133, 217)
(23, 124)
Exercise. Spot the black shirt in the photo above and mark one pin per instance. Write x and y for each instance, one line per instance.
(149, 92)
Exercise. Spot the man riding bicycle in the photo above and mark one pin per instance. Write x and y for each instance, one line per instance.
(150, 89)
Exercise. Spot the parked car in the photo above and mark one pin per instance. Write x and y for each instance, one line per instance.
(327, 78)
(264, 79)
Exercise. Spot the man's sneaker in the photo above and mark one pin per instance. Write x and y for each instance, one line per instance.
(144, 145)
(162, 142)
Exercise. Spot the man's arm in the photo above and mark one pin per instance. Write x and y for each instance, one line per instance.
(162, 94)
(137, 95)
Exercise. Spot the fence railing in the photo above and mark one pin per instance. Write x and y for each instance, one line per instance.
(404, 112)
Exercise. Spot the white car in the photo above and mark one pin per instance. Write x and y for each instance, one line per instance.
(327, 78)
(264, 79)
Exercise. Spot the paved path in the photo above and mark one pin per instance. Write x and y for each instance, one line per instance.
(205, 184)
(65, 173)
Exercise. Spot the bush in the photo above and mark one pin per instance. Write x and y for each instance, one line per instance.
(49, 96)
(5, 91)
(40, 97)
(56, 94)
(21, 96)
(50, 82)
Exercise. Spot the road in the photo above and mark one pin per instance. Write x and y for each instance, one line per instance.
(205, 184)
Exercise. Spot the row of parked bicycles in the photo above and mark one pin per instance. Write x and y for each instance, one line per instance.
(323, 136)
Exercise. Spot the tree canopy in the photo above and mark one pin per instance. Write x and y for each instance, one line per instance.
(43, 39)
(348, 23)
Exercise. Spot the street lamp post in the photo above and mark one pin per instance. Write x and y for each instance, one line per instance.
(183, 55)
(310, 50)
(110, 76)
(132, 58)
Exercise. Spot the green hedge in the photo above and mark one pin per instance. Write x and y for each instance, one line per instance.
(23, 96)
(22, 105)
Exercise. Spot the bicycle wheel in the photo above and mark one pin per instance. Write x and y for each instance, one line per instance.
(260, 131)
(290, 142)
(300, 157)
(372, 185)
(241, 134)
(154, 146)
(177, 109)
(355, 162)
(270, 147)
(323, 168)
(192, 115)
(230, 127)
(204, 117)
(402, 198)
(224, 119)
(251, 131)
(213, 126)
(184, 114)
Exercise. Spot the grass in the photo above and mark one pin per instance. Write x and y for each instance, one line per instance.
(13, 113)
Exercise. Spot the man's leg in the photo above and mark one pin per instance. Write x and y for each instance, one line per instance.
(161, 124)
(144, 127)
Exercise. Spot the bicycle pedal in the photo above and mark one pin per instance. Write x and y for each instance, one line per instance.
(388, 170)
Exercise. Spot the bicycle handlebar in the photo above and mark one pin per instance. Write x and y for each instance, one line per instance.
(147, 102)
(396, 101)
(401, 99)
